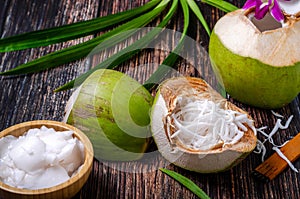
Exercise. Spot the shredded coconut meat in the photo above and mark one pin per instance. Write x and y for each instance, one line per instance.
(203, 124)
(260, 148)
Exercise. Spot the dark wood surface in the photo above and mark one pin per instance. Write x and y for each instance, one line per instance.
(31, 97)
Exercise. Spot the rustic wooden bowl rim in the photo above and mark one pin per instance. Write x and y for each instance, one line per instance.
(89, 154)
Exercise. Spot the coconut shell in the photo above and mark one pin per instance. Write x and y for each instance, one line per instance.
(214, 160)
(259, 68)
(112, 109)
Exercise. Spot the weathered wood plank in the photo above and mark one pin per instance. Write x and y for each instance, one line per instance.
(31, 97)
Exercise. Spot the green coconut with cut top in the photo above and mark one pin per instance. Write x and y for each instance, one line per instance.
(112, 109)
(257, 65)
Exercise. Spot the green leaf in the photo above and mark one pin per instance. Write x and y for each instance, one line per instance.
(186, 19)
(126, 53)
(70, 31)
(187, 183)
(81, 50)
(166, 67)
(199, 15)
(222, 5)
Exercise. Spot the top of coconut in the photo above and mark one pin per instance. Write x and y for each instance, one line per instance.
(199, 120)
(276, 47)
(290, 7)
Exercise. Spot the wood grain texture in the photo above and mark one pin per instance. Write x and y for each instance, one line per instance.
(31, 97)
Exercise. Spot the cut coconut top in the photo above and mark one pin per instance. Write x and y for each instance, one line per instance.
(277, 47)
(200, 120)
(291, 7)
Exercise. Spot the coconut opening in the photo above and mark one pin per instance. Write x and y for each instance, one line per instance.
(200, 124)
(266, 23)
(290, 9)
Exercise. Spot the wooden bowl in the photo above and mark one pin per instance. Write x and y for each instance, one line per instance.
(67, 189)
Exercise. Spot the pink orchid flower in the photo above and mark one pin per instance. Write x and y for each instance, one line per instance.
(263, 7)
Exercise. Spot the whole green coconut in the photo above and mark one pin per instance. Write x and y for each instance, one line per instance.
(257, 62)
(112, 109)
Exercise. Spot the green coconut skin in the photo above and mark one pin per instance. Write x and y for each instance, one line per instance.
(251, 81)
(112, 109)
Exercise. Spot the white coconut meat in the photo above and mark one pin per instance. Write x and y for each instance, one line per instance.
(201, 124)
(41, 158)
(268, 42)
(197, 129)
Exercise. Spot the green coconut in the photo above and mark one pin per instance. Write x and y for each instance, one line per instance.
(195, 128)
(112, 109)
(257, 62)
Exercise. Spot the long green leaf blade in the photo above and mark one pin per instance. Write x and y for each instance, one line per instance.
(186, 20)
(187, 183)
(81, 50)
(126, 53)
(109, 63)
(222, 5)
(199, 15)
(70, 31)
(166, 67)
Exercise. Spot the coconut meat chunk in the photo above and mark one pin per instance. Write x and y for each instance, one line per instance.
(201, 124)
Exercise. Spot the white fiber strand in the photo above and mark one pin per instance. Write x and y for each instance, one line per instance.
(276, 114)
(260, 147)
(285, 159)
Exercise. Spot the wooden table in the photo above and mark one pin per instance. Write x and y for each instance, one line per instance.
(31, 97)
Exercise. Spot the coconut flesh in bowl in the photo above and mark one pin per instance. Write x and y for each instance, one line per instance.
(255, 53)
(195, 128)
(41, 158)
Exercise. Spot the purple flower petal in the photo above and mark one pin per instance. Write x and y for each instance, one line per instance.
(261, 12)
(259, 3)
(250, 4)
(276, 11)
(261, 9)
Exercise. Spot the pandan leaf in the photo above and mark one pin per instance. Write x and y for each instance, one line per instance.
(187, 183)
(126, 53)
(166, 67)
(81, 50)
(194, 7)
(222, 5)
(70, 31)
